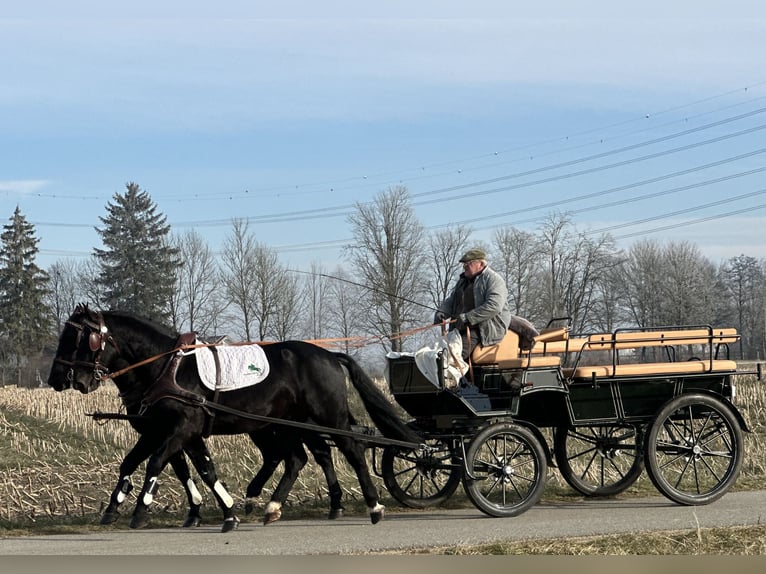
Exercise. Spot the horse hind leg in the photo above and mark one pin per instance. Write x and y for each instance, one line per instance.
(354, 453)
(322, 453)
(295, 459)
(265, 440)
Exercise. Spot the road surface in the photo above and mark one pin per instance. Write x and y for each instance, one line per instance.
(403, 531)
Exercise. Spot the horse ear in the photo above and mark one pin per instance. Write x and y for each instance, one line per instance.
(81, 308)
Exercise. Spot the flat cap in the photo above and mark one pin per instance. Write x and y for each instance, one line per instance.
(473, 255)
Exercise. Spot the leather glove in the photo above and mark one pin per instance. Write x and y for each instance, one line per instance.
(440, 317)
(460, 324)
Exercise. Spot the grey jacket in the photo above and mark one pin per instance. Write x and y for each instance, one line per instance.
(491, 313)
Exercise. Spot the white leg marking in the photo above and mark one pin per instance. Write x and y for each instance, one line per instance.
(149, 494)
(272, 507)
(378, 508)
(195, 493)
(122, 495)
(225, 496)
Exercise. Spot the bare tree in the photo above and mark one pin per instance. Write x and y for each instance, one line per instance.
(388, 253)
(444, 249)
(553, 242)
(743, 282)
(282, 293)
(196, 302)
(63, 294)
(689, 285)
(89, 290)
(642, 282)
(315, 295)
(239, 276)
(607, 312)
(519, 259)
(343, 297)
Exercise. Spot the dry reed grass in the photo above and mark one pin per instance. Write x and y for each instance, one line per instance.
(57, 462)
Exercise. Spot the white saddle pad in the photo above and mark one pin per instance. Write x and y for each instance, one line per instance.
(241, 366)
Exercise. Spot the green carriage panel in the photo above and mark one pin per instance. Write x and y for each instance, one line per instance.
(590, 402)
(642, 398)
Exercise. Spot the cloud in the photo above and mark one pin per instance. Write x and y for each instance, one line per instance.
(23, 186)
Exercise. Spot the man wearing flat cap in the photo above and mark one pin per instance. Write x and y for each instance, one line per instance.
(478, 300)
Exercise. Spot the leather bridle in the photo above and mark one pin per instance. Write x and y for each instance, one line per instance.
(98, 336)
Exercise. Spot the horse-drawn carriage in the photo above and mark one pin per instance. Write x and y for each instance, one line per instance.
(613, 403)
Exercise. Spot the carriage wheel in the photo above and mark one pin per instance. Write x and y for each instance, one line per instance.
(600, 460)
(505, 470)
(419, 479)
(694, 449)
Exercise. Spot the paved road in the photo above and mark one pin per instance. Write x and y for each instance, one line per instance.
(400, 532)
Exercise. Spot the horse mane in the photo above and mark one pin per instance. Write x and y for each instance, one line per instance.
(144, 322)
(82, 308)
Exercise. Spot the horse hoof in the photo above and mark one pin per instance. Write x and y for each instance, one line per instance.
(377, 516)
(136, 523)
(335, 513)
(109, 517)
(230, 524)
(191, 521)
(270, 517)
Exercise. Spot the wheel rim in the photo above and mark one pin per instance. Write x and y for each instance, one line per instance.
(696, 451)
(600, 460)
(418, 479)
(506, 473)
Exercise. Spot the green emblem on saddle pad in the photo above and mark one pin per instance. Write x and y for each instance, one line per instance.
(254, 369)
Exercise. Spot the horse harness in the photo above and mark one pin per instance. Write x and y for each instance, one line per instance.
(165, 386)
(97, 339)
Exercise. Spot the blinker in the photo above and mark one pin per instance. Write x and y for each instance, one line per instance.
(96, 340)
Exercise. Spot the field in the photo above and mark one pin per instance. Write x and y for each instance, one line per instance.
(58, 466)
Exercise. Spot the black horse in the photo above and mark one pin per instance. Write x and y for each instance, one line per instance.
(276, 444)
(306, 383)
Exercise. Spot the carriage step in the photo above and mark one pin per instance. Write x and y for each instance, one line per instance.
(471, 394)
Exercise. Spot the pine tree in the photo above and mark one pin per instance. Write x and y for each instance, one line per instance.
(25, 321)
(138, 263)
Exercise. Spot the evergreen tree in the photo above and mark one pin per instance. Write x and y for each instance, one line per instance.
(25, 321)
(138, 264)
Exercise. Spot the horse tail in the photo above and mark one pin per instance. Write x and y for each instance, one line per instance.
(381, 411)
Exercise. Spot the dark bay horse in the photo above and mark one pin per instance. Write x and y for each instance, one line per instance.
(277, 444)
(306, 383)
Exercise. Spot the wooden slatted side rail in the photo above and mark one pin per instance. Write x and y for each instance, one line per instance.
(554, 343)
(635, 339)
(641, 369)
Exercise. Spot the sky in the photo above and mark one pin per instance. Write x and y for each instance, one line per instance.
(642, 120)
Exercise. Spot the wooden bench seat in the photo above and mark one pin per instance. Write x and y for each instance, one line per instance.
(505, 350)
(640, 369)
(550, 344)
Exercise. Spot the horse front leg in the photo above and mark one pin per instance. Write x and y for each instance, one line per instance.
(193, 496)
(138, 454)
(203, 462)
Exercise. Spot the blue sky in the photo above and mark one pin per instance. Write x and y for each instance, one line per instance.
(647, 120)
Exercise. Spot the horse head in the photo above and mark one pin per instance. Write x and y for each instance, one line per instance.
(83, 349)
